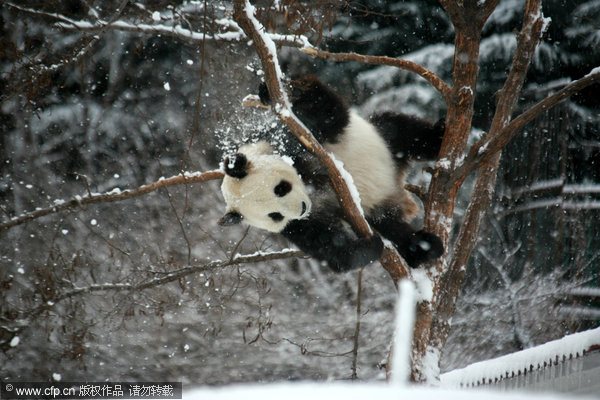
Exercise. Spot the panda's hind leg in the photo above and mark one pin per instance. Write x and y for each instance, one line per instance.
(415, 246)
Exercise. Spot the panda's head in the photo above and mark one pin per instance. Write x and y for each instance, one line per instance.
(262, 189)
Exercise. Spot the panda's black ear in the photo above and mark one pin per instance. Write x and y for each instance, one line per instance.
(263, 94)
(236, 165)
(230, 218)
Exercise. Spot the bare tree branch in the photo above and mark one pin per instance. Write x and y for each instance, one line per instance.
(431, 77)
(487, 147)
(112, 196)
(354, 368)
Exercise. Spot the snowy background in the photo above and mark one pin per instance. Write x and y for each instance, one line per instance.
(88, 109)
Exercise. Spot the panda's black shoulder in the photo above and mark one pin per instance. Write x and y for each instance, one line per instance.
(322, 110)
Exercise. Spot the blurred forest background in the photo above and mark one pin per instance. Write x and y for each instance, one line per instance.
(87, 108)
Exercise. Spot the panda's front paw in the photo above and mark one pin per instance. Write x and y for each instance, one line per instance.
(366, 250)
(356, 254)
(423, 247)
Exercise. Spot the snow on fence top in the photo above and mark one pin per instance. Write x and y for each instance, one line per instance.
(521, 362)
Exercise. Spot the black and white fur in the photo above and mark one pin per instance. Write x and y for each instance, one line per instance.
(376, 153)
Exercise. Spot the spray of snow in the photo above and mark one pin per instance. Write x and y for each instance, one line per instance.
(288, 160)
(284, 110)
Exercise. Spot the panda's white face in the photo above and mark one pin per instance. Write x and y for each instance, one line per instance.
(270, 193)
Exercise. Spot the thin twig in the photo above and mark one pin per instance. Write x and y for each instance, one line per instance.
(419, 191)
(199, 96)
(86, 181)
(357, 327)
(169, 197)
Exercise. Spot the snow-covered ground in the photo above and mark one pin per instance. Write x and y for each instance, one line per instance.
(358, 391)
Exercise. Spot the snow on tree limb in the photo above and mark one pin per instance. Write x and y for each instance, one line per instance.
(234, 33)
(111, 196)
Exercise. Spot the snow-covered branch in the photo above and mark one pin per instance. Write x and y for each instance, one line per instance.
(231, 31)
(111, 196)
(176, 31)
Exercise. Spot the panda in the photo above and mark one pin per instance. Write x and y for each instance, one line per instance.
(290, 193)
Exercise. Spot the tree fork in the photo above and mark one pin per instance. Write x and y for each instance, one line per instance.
(451, 282)
(443, 190)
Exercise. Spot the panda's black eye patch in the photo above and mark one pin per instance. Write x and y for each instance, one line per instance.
(282, 188)
(275, 216)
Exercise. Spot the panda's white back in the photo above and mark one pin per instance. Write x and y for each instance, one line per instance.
(367, 158)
